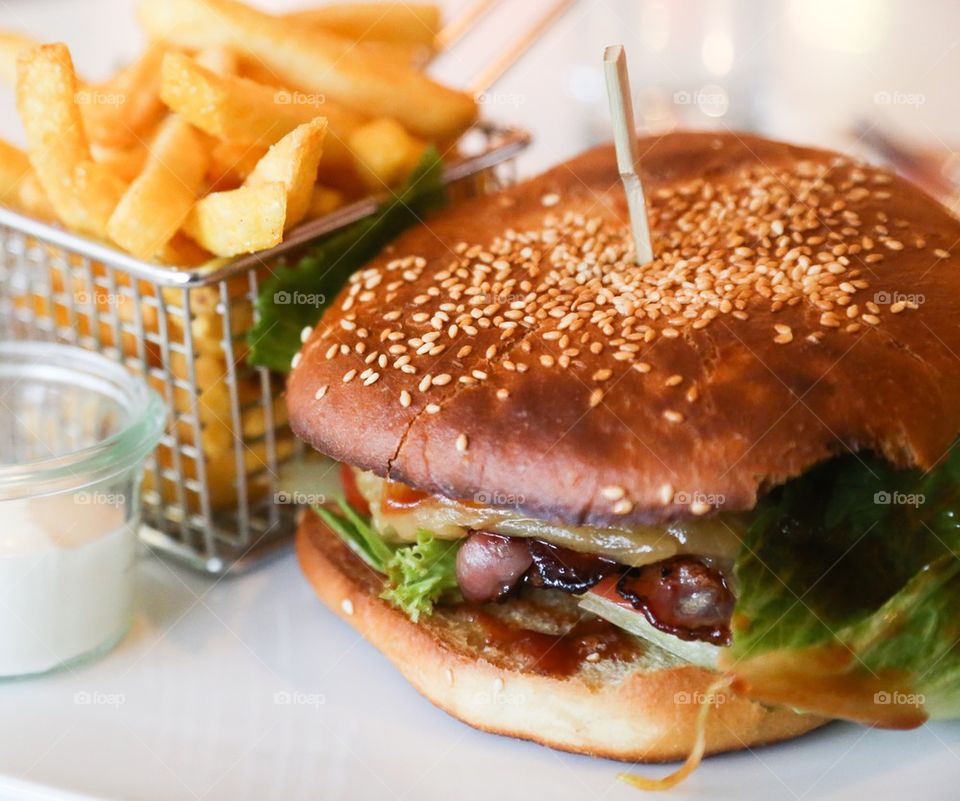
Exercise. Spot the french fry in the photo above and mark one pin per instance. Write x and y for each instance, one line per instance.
(243, 112)
(323, 201)
(231, 163)
(293, 161)
(33, 199)
(384, 152)
(382, 22)
(182, 251)
(121, 111)
(219, 60)
(14, 169)
(315, 61)
(11, 46)
(155, 205)
(240, 220)
(126, 162)
(82, 192)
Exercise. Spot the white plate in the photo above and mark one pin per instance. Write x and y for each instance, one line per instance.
(250, 689)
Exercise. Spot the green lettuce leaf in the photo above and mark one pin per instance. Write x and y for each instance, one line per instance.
(294, 296)
(849, 593)
(416, 576)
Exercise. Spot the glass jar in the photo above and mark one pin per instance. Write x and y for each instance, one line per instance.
(75, 429)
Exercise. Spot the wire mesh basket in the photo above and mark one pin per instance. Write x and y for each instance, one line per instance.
(210, 487)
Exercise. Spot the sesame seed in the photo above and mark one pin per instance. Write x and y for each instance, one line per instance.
(371, 379)
(347, 606)
(550, 199)
(442, 380)
(305, 333)
(622, 507)
(295, 360)
(699, 507)
(503, 394)
(349, 376)
(672, 416)
(462, 443)
(595, 397)
(432, 408)
(642, 367)
(613, 492)
(424, 384)
(321, 391)
(405, 399)
(870, 319)
(665, 494)
(673, 381)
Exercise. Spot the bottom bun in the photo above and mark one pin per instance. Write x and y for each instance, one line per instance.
(507, 668)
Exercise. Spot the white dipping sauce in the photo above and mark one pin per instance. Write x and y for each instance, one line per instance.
(66, 579)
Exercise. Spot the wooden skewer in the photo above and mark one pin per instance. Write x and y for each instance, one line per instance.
(625, 141)
(494, 71)
(457, 28)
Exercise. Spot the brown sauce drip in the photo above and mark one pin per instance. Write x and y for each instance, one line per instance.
(558, 654)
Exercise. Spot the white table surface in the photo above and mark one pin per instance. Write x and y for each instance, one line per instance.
(248, 689)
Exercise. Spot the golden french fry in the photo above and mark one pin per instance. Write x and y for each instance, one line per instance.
(293, 161)
(315, 61)
(11, 46)
(323, 201)
(126, 162)
(14, 169)
(401, 53)
(121, 111)
(231, 163)
(182, 251)
(219, 60)
(155, 205)
(385, 22)
(384, 152)
(33, 199)
(82, 192)
(243, 112)
(240, 220)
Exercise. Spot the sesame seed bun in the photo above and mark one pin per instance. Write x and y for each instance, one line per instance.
(637, 707)
(802, 305)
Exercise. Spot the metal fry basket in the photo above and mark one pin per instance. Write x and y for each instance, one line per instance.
(210, 486)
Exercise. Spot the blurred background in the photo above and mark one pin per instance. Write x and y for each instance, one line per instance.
(872, 77)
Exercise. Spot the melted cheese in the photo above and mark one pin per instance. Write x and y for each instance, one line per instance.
(718, 537)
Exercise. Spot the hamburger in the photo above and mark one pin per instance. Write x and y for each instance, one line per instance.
(633, 510)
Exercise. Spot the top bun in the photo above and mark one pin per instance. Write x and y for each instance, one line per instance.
(801, 305)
